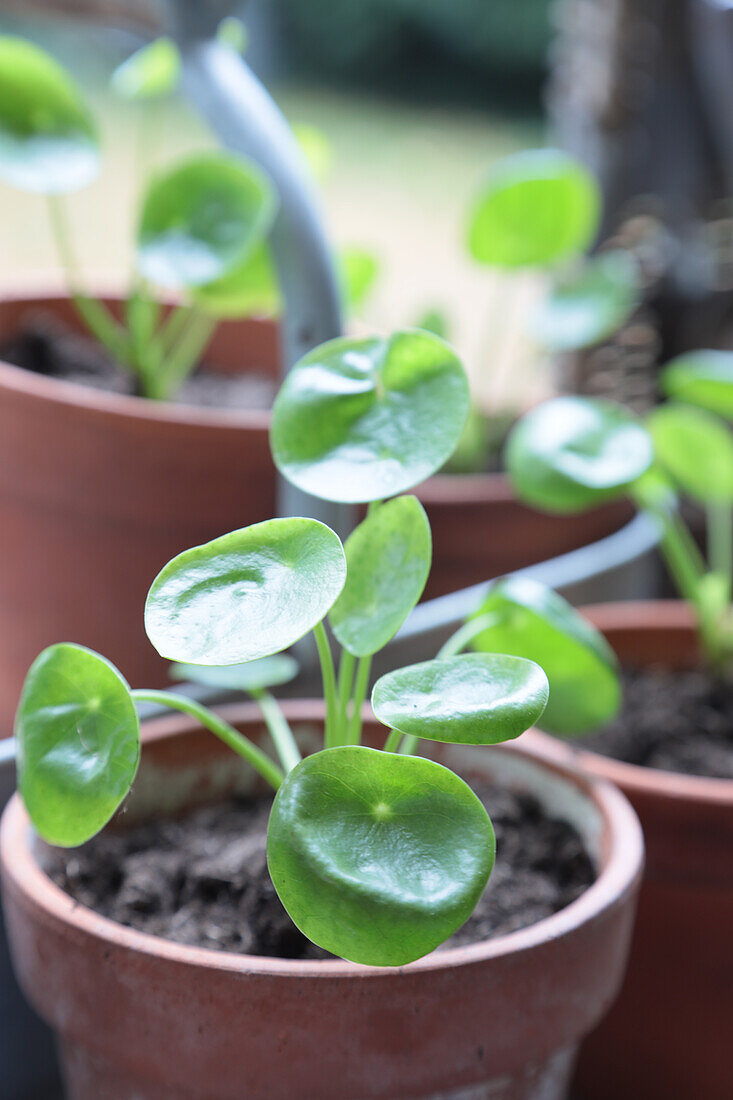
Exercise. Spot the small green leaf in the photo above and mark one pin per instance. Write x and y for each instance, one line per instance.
(571, 453)
(435, 320)
(233, 33)
(388, 561)
(203, 219)
(48, 139)
(535, 208)
(473, 699)
(78, 741)
(250, 290)
(359, 271)
(588, 305)
(533, 621)
(702, 378)
(251, 676)
(247, 594)
(378, 858)
(696, 449)
(316, 148)
(151, 72)
(362, 419)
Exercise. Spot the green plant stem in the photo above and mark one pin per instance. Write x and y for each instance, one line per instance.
(353, 733)
(279, 728)
(184, 354)
(403, 743)
(331, 737)
(236, 741)
(392, 744)
(98, 319)
(409, 744)
(347, 664)
(720, 539)
(467, 633)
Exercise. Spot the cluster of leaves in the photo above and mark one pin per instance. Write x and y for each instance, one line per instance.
(573, 453)
(378, 855)
(202, 228)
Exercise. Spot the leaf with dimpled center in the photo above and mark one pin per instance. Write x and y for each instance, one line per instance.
(362, 419)
(203, 219)
(574, 452)
(78, 741)
(388, 561)
(378, 858)
(48, 139)
(473, 699)
(530, 620)
(247, 594)
(588, 305)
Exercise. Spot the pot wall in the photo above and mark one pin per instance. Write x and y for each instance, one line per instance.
(149, 1019)
(669, 1033)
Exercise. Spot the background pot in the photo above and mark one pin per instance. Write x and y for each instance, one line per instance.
(669, 1033)
(141, 1017)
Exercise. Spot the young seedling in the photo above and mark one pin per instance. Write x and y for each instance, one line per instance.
(574, 453)
(538, 212)
(378, 855)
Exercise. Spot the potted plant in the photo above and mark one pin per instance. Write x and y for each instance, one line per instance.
(670, 750)
(537, 212)
(376, 852)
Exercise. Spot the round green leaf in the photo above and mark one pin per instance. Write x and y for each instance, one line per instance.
(362, 419)
(247, 594)
(203, 219)
(78, 742)
(151, 72)
(535, 208)
(571, 453)
(48, 140)
(473, 699)
(388, 561)
(588, 305)
(696, 449)
(257, 675)
(533, 621)
(703, 378)
(251, 289)
(378, 857)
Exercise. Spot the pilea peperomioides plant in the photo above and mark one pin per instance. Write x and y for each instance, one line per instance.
(377, 854)
(573, 453)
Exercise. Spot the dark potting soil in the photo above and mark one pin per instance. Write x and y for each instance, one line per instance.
(46, 346)
(677, 721)
(203, 880)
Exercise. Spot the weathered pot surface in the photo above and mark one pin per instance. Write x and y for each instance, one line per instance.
(144, 1018)
(669, 1033)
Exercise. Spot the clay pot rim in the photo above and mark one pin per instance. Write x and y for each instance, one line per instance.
(441, 488)
(674, 786)
(622, 866)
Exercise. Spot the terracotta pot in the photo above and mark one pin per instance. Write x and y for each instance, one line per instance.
(145, 1018)
(480, 530)
(668, 1035)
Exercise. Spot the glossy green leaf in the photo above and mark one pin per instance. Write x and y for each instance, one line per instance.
(388, 560)
(257, 675)
(48, 139)
(203, 219)
(78, 743)
(703, 378)
(247, 594)
(359, 270)
(588, 305)
(362, 419)
(378, 858)
(535, 208)
(151, 72)
(250, 290)
(696, 449)
(472, 699)
(571, 453)
(530, 620)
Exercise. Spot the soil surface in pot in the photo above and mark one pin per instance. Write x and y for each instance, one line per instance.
(673, 720)
(203, 881)
(46, 346)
